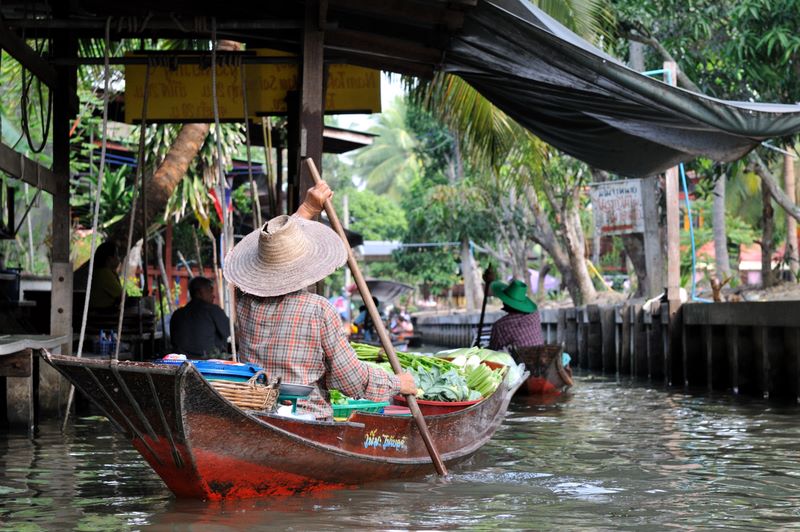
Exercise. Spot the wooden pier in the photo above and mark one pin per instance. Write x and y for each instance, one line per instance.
(740, 348)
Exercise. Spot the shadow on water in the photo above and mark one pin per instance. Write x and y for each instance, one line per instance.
(608, 456)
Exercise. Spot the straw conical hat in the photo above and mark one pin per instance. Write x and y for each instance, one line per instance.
(286, 254)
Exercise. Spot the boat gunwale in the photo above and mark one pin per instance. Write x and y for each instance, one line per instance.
(184, 371)
(453, 455)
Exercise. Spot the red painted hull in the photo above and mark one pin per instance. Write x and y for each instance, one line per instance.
(548, 376)
(204, 447)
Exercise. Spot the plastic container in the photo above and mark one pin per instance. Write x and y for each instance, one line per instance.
(357, 405)
(396, 410)
(435, 408)
(105, 343)
(219, 369)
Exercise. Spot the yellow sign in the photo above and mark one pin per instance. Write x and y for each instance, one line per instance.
(184, 94)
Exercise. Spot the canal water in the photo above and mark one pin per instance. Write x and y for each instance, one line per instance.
(607, 457)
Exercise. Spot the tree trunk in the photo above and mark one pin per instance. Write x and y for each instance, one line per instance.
(545, 236)
(540, 289)
(634, 250)
(791, 254)
(759, 167)
(768, 230)
(576, 248)
(473, 292)
(160, 186)
(722, 261)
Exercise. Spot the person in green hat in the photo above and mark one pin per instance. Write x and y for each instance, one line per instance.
(521, 326)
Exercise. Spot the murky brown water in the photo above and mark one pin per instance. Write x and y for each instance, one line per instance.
(608, 457)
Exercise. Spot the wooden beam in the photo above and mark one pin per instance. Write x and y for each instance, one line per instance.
(27, 56)
(420, 70)
(378, 45)
(16, 365)
(29, 171)
(96, 26)
(33, 62)
(418, 13)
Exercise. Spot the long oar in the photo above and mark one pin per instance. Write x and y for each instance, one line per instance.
(376, 319)
(486, 283)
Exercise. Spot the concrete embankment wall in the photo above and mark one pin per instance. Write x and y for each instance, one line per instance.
(748, 348)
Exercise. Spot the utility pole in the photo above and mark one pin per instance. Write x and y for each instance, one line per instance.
(673, 215)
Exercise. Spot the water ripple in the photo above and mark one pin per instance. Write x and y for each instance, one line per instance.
(607, 457)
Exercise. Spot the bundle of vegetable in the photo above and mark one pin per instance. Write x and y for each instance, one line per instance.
(371, 353)
(436, 385)
(439, 379)
(338, 398)
(479, 354)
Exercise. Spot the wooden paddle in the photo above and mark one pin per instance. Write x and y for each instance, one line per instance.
(379, 326)
(488, 277)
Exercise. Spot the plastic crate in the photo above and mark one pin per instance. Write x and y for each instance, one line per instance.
(357, 405)
(224, 370)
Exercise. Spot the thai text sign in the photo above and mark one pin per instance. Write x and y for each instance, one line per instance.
(617, 207)
(183, 94)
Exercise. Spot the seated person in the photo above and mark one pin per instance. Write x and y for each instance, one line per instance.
(363, 321)
(106, 286)
(521, 326)
(292, 333)
(200, 329)
(403, 328)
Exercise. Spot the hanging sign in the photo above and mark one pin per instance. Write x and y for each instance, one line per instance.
(183, 94)
(617, 207)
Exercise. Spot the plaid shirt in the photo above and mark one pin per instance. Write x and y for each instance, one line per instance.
(516, 330)
(299, 337)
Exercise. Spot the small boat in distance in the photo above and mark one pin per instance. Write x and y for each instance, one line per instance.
(205, 447)
(548, 376)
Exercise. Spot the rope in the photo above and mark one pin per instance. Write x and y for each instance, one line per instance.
(24, 118)
(253, 188)
(96, 215)
(138, 177)
(100, 178)
(220, 174)
(35, 196)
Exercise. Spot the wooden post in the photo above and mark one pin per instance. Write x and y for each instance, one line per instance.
(292, 151)
(673, 214)
(732, 345)
(792, 254)
(666, 344)
(653, 251)
(61, 267)
(311, 95)
(608, 335)
(708, 335)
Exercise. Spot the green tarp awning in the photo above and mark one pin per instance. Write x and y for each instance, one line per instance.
(592, 106)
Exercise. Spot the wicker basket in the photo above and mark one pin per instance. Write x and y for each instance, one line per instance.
(250, 395)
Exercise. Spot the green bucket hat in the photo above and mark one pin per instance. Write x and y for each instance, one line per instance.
(514, 295)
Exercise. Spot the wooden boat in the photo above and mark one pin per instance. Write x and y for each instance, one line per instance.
(204, 447)
(548, 376)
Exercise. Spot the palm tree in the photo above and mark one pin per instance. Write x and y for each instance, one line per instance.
(491, 139)
(161, 184)
(390, 163)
